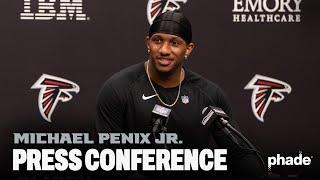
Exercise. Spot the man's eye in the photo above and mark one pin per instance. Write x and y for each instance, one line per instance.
(157, 41)
(175, 43)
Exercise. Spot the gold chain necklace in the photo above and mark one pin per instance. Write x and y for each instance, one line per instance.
(157, 94)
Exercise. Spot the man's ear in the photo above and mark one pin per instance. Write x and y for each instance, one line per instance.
(146, 41)
(190, 47)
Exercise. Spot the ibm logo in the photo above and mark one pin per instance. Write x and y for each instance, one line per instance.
(47, 10)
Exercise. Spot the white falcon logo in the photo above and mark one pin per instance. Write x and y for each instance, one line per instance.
(157, 7)
(52, 90)
(265, 90)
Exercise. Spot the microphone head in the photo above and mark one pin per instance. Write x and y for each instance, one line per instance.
(161, 111)
(211, 114)
(160, 116)
(219, 112)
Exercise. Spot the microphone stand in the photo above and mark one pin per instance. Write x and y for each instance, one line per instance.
(227, 125)
(160, 127)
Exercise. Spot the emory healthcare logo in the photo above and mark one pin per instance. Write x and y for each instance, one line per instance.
(47, 10)
(265, 90)
(269, 11)
(52, 90)
(157, 7)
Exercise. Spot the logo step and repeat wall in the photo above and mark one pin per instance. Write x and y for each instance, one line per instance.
(56, 55)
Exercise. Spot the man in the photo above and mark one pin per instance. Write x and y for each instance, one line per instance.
(127, 99)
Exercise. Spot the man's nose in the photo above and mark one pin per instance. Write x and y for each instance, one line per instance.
(165, 49)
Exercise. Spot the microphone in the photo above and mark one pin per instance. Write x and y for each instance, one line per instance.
(219, 118)
(160, 116)
(215, 112)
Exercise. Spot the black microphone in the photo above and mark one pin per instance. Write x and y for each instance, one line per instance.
(217, 117)
(160, 116)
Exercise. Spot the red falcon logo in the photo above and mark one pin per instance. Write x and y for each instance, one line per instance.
(265, 90)
(157, 7)
(52, 90)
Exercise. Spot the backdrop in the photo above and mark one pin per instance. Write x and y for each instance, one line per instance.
(88, 41)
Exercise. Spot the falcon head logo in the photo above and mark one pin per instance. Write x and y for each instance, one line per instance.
(52, 90)
(157, 7)
(265, 90)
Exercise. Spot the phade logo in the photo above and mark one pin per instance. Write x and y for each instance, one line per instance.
(268, 11)
(289, 161)
(53, 10)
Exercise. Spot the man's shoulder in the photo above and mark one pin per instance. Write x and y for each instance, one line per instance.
(119, 83)
(126, 76)
(201, 82)
(211, 90)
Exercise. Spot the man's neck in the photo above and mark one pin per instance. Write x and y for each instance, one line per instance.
(165, 80)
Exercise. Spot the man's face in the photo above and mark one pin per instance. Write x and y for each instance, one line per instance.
(167, 52)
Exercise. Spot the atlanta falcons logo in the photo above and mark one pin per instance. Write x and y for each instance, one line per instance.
(157, 7)
(52, 90)
(265, 90)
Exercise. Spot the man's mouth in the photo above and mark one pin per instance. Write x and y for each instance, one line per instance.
(163, 61)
